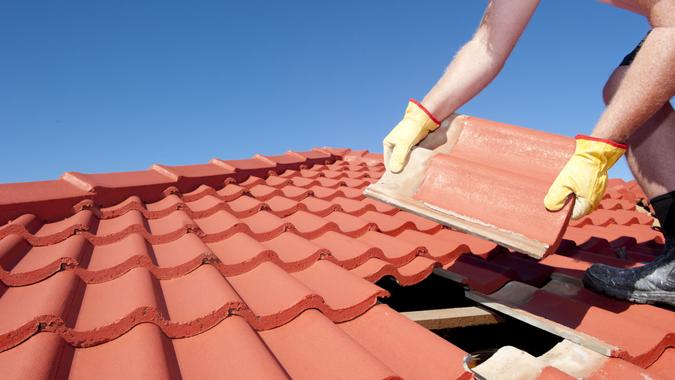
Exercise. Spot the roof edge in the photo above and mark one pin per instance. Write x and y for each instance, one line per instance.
(55, 199)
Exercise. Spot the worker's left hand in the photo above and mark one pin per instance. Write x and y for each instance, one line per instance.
(585, 175)
(415, 126)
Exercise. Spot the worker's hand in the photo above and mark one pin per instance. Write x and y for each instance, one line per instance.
(416, 125)
(585, 175)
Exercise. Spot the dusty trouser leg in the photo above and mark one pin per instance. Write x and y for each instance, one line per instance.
(651, 158)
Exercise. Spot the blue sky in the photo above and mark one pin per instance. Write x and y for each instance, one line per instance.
(100, 86)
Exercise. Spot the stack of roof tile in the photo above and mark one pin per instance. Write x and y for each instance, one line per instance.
(265, 268)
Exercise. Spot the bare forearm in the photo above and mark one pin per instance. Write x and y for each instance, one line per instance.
(471, 71)
(649, 83)
(481, 59)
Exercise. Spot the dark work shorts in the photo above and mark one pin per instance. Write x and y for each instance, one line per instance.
(627, 60)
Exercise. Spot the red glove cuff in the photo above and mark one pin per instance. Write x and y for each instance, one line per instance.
(426, 111)
(610, 142)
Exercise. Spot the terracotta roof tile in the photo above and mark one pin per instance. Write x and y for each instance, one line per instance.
(407, 348)
(407, 274)
(486, 178)
(350, 224)
(346, 250)
(311, 346)
(480, 275)
(664, 366)
(603, 217)
(393, 250)
(319, 206)
(477, 245)
(212, 354)
(278, 254)
(390, 225)
(638, 342)
(438, 248)
(619, 369)
(616, 204)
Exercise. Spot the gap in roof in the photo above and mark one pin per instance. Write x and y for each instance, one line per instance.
(481, 341)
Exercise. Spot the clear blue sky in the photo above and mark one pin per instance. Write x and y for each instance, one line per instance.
(100, 86)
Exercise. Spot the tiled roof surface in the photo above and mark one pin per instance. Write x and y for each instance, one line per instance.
(265, 268)
(507, 170)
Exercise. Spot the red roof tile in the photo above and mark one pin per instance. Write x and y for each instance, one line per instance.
(488, 179)
(150, 252)
(664, 365)
(619, 369)
(278, 254)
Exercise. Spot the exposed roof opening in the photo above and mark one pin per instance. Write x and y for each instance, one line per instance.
(432, 293)
(476, 330)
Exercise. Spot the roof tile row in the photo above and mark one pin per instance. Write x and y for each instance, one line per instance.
(379, 344)
(276, 264)
(87, 314)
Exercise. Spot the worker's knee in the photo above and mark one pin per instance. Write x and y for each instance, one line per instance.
(612, 83)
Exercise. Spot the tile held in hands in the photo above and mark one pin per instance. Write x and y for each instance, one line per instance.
(485, 178)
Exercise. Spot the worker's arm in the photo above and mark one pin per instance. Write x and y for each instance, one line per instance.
(649, 83)
(472, 69)
(482, 58)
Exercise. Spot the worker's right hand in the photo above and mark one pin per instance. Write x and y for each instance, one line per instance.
(415, 126)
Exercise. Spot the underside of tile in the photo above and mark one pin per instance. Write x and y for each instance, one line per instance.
(484, 178)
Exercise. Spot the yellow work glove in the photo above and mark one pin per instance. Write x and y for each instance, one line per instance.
(415, 126)
(585, 175)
